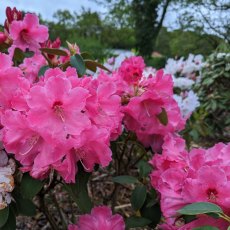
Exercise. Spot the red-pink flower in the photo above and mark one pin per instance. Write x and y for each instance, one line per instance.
(131, 69)
(28, 33)
(100, 218)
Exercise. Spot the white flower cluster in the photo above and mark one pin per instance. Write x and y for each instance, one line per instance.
(7, 168)
(186, 73)
(187, 102)
(185, 68)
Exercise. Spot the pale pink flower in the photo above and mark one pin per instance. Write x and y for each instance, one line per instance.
(100, 218)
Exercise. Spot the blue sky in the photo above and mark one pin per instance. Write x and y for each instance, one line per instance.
(47, 7)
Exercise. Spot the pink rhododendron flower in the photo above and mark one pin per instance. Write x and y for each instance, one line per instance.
(142, 111)
(100, 218)
(183, 178)
(28, 33)
(31, 67)
(131, 69)
(13, 86)
(12, 15)
(57, 107)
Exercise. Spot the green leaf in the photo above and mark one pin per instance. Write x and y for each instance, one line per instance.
(152, 213)
(228, 228)
(11, 221)
(86, 55)
(138, 197)
(79, 190)
(23, 206)
(163, 117)
(200, 208)
(206, 228)
(125, 179)
(42, 70)
(54, 51)
(144, 168)
(134, 222)
(4, 213)
(29, 186)
(78, 63)
(92, 65)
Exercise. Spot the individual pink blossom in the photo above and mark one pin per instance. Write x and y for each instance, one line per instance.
(28, 33)
(12, 15)
(13, 86)
(56, 107)
(131, 69)
(213, 187)
(31, 67)
(100, 218)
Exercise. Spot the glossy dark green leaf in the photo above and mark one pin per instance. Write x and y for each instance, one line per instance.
(86, 55)
(163, 117)
(135, 222)
(200, 208)
(206, 228)
(79, 190)
(125, 179)
(42, 70)
(92, 65)
(30, 186)
(138, 197)
(152, 212)
(11, 221)
(78, 63)
(144, 168)
(4, 213)
(23, 206)
(54, 51)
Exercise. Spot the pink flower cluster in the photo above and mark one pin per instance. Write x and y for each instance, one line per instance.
(144, 99)
(57, 121)
(51, 122)
(23, 31)
(100, 218)
(182, 177)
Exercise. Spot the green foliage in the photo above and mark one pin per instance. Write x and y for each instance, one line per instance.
(206, 228)
(10, 224)
(4, 213)
(181, 43)
(138, 197)
(77, 62)
(156, 62)
(125, 179)
(214, 95)
(135, 221)
(200, 208)
(79, 191)
(29, 186)
(145, 13)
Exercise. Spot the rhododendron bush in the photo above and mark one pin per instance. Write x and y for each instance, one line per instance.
(65, 118)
